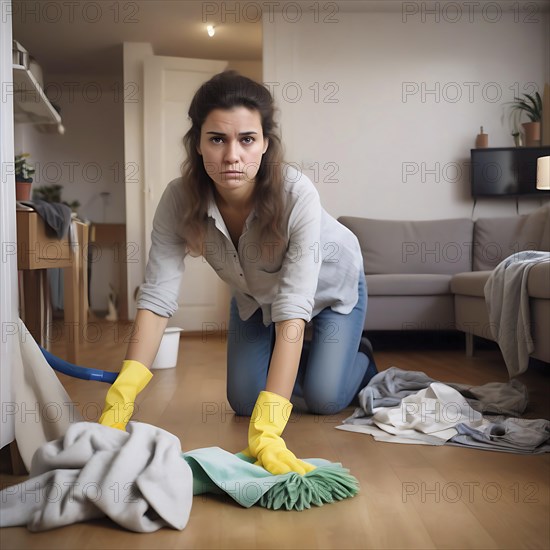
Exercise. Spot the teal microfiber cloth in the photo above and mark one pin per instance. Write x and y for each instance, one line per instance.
(219, 472)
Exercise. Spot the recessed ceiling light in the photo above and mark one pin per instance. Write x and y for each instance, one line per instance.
(211, 30)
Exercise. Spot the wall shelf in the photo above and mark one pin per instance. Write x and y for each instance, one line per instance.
(30, 104)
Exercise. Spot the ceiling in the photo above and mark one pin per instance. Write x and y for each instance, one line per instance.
(75, 37)
(82, 36)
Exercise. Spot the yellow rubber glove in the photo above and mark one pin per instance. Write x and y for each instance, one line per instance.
(119, 403)
(268, 420)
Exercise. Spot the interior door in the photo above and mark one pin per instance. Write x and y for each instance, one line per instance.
(169, 86)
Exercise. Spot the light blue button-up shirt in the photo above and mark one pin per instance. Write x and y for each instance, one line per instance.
(316, 267)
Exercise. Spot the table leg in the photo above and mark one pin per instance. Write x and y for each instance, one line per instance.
(72, 322)
(36, 304)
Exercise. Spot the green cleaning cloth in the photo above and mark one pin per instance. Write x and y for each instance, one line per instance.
(220, 472)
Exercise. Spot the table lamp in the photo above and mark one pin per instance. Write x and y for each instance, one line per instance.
(543, 173)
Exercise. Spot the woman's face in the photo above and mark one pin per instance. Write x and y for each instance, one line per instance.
(231, 146)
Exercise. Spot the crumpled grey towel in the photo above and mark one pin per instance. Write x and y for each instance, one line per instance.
(389, 387)
(509, 398)
(137, 478)
(508, 307)
(56, 215)
(514, 435)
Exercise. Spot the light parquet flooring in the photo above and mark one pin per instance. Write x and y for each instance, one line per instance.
(411, 496)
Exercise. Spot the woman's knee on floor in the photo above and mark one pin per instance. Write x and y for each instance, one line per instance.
(325, 401)
(242, 402)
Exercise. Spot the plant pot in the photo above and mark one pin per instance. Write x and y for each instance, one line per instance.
(532, 133)
(23, 190)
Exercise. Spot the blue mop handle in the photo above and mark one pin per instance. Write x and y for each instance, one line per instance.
(78, 372)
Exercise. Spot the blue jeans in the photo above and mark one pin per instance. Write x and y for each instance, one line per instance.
(331, 370)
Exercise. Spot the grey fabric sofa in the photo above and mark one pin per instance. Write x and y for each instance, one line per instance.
(430, 275)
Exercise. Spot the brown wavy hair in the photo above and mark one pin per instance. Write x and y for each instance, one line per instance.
(227, 90)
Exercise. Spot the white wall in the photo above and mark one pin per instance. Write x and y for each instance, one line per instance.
(374, 150)
(251, 69)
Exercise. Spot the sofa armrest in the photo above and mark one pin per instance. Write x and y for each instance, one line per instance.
(538, 283)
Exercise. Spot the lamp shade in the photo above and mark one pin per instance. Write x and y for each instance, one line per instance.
(543, 173)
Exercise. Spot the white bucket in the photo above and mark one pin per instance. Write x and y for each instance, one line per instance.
(167, 355)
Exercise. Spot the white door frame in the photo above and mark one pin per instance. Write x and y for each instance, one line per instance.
(8, 232)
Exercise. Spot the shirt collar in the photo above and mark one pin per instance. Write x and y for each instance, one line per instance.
(214, 213)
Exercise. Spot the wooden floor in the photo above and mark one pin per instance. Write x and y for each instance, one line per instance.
(411, 496)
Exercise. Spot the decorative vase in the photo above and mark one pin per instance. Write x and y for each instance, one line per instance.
(482, 139)
(532, 133)
(23, 190)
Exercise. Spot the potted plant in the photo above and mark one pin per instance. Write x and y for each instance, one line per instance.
(23, 177)
(531, 105)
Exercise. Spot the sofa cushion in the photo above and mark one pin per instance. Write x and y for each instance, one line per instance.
(428, 246)
(399, 284)
(470, 283)
(497, 238)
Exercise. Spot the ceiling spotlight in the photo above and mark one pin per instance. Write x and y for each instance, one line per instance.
(211, 30)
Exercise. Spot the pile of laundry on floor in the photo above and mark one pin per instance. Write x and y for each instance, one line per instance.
(399, 406)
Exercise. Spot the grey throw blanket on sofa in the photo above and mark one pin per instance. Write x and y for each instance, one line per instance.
(137, 478)
(508, 307)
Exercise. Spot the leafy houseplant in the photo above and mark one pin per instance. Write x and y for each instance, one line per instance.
(531, 105)
(23, 177)
(23, 170)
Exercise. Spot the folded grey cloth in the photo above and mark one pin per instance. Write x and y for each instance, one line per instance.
(514, 435)
(389, 387)
(137, 478)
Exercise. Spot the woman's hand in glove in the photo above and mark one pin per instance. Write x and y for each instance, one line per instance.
(119, 403)
(265, 443)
